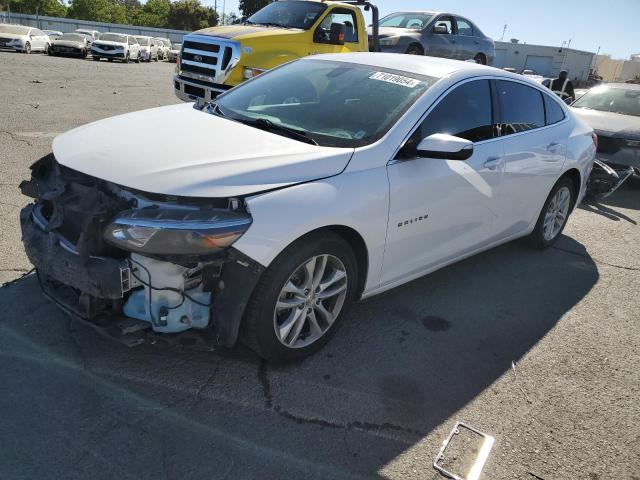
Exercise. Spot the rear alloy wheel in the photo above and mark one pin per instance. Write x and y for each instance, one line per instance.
(480, 58)
(300, 298)
(554, 215)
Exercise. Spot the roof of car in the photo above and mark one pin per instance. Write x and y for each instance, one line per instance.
(422, 65)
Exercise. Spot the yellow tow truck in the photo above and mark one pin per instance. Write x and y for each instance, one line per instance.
(213, 60)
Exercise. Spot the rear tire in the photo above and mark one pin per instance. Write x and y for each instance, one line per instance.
(553, 217)
(414, 50)
(307, 332)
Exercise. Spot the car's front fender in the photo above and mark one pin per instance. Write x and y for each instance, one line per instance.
(358, 200)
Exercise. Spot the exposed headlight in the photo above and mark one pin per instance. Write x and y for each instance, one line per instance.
(389, 41)
(250, 72)
(176, 231)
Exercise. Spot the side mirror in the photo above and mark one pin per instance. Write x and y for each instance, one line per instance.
(440, 30)
(337, 34)
(568, 100)
(446, 147)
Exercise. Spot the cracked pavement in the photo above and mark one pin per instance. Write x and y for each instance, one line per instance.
(375, 403)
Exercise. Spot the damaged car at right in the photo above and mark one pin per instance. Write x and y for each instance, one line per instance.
(321, 182)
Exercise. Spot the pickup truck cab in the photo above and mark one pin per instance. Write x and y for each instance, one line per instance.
(216, 59)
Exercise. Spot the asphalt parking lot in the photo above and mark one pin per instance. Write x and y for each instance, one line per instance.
(539, 349)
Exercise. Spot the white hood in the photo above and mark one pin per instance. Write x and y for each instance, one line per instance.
(177, 150)
(614, 124)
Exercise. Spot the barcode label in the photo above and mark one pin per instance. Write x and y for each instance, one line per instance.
(395, 79)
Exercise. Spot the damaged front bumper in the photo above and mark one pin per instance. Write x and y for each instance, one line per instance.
(128, 296)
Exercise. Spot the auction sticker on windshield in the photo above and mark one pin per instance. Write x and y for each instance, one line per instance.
(397, 79)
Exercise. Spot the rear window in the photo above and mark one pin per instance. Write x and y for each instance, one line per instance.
(521, 107)
(554, 112)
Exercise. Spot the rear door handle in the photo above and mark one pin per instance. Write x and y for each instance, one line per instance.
(553, 146)
(492, 163)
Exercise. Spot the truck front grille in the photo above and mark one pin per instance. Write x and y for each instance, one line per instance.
(208, 58)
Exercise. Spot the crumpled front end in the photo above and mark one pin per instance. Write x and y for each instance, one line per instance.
(138, 267)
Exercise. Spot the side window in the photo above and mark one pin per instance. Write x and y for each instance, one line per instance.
(447, 22)
(521, 107)
(131, 41)
(464, 27)
(554, 112)
(339, 16)
(465, 112)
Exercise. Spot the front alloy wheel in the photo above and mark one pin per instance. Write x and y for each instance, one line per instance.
(310, 301)
(300, 298)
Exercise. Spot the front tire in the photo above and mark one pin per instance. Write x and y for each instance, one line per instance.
(554, 215)
(297, 304)
(27, 48)
(414, 50)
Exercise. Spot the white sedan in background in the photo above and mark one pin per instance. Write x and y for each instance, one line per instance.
(24, 39)
(116, 46)
(148, 48)
(326, 180)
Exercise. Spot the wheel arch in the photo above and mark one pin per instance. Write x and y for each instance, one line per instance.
(576, 178)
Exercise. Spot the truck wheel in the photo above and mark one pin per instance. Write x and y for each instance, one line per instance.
(481, 59)
(297, 304)
(414, 50)
(27, 48)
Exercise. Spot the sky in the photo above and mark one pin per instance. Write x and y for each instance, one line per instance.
(612, 25)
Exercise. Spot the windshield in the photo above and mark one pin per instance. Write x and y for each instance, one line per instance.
(335, 104)
(414, 21)
(72, 37)
(611, 99)
(291, 14)
(143, 41)
(113, 37)
(14, 30)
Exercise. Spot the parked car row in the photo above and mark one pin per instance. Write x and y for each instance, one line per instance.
(83, 42)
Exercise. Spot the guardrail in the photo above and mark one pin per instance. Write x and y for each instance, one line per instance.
(71, 24)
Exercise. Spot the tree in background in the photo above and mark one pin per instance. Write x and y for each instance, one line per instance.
(249, 7)
(191, 15)
(154, 13)
(98, 11)
(52, 8)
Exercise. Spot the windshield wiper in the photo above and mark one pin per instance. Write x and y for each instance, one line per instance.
(265, 124)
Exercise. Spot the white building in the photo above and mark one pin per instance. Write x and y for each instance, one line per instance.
(544, 60)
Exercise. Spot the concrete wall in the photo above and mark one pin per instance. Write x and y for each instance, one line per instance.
(546, 60)
(70, 24)
(612, 70)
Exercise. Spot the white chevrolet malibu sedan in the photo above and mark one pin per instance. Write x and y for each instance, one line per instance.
(324, 181)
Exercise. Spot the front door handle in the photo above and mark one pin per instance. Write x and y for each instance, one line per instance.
(492, 163)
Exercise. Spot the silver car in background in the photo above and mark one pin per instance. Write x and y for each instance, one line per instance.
(436, 34)
(613, 111)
